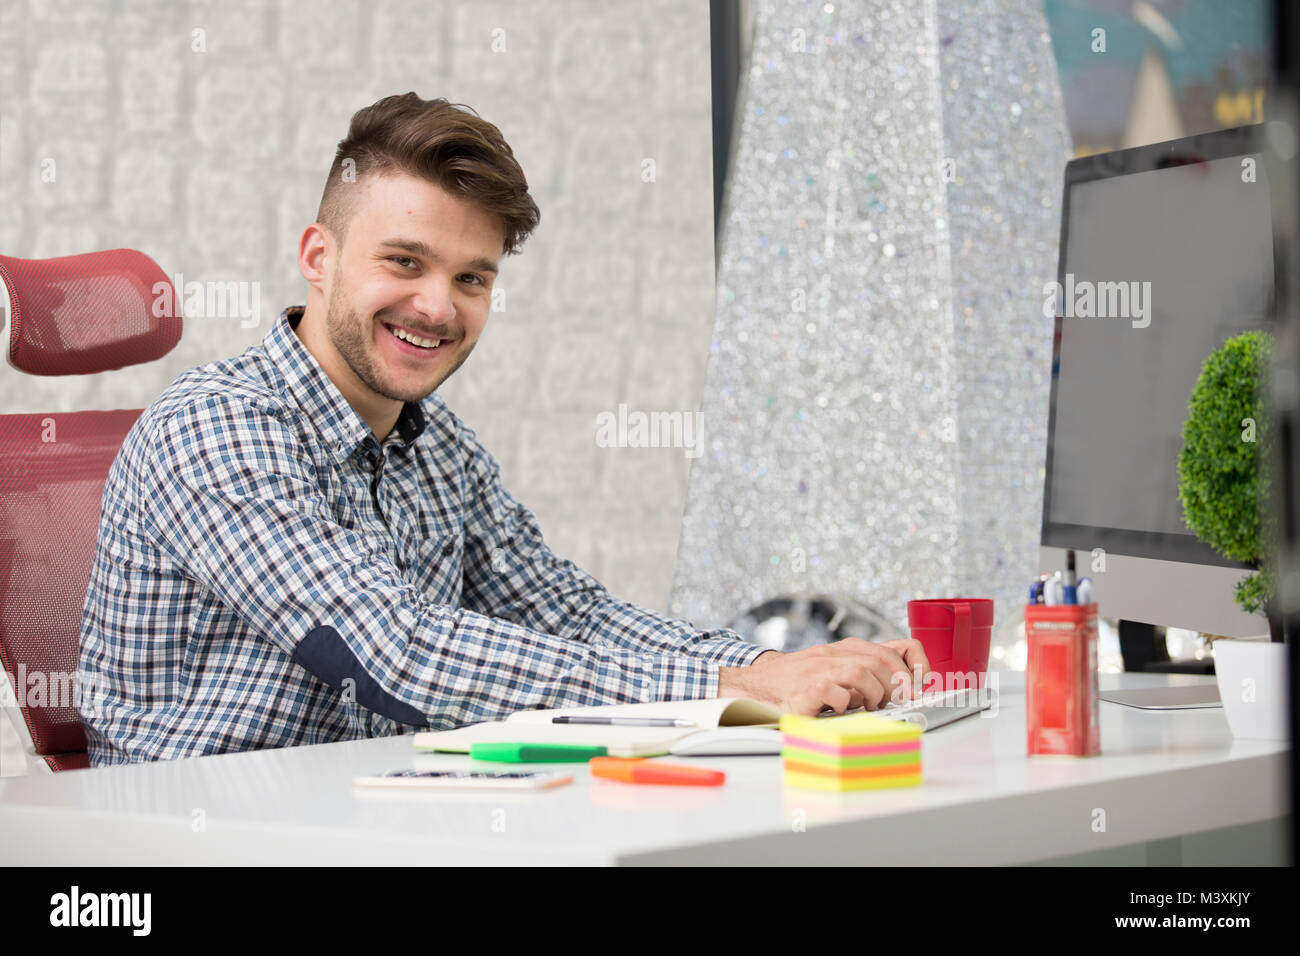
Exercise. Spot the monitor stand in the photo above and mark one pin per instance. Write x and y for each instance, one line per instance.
(1143, 652)
(1185, 697)
(1139, 647)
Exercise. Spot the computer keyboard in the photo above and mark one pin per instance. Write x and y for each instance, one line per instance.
(933, 709)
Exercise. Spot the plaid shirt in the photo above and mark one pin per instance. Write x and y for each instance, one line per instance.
(268, 574)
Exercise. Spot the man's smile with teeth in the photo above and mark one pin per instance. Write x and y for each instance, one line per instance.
(414, 339)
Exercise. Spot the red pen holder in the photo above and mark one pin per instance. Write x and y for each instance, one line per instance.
(1061, 679)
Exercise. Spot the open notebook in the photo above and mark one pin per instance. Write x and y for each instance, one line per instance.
(727, 725)
(534, 726)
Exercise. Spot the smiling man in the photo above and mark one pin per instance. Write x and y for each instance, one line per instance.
(304, 544)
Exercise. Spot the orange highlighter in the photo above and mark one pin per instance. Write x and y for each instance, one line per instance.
(648, 771)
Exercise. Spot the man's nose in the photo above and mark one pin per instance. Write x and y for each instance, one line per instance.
(434, 300)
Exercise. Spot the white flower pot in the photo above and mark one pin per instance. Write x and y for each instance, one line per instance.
(1252, 678)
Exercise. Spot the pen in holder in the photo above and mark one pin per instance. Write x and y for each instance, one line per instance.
(1061, 679)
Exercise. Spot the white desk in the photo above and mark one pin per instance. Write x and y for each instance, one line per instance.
(1160, 776)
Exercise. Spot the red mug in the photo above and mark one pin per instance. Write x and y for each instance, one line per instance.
(955, 634)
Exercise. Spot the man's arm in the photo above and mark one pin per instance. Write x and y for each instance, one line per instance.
(231, 496)
(512, 574)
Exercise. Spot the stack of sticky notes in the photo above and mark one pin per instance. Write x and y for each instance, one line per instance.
(853, 752)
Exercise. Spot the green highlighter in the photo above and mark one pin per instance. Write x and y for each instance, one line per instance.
(534, 753)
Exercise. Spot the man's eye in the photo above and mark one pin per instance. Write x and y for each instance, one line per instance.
(470, 275)
(402, 260)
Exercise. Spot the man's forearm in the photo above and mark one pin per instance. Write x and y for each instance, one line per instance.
(630, 626)
(732, 681)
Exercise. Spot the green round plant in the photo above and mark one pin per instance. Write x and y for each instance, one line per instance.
(1221, 483)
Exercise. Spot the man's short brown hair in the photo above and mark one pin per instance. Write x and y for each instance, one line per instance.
(437, 141)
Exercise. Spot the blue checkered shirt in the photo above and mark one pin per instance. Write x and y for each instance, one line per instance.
(268, 574)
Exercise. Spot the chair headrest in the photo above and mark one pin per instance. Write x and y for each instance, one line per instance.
(76, 315)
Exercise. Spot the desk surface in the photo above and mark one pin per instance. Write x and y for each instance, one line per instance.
(1160, 775)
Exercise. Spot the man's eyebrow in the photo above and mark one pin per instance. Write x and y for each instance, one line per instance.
(422, 249)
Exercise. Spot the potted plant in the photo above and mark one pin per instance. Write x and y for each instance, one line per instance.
(1222, 487)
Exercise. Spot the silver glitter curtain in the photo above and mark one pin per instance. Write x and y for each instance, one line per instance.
(875, 405)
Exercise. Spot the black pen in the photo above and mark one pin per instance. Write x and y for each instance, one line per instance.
(626, 721)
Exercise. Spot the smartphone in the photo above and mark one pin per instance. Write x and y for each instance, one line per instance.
(467, 779)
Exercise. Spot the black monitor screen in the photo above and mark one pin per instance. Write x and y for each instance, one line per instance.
(1166, 252)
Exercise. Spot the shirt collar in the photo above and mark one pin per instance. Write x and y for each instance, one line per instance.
(341, 428)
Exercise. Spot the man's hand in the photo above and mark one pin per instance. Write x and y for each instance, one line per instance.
(843, 676)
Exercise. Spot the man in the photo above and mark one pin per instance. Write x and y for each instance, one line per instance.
(304, 544)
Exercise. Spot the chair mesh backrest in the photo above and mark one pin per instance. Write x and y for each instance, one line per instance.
(71, 315)
(75, 315)
(50, 495)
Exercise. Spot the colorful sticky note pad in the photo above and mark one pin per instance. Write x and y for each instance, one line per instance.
(854, 752)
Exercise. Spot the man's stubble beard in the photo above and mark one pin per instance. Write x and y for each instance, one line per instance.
(349, 334)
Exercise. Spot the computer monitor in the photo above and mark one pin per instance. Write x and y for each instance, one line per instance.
(1166, 251)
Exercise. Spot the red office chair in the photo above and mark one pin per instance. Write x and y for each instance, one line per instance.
(73, 315)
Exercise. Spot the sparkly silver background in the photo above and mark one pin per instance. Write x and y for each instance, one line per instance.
(1004, 125)
(875, 399)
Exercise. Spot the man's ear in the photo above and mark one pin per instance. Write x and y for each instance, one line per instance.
(316, 256)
